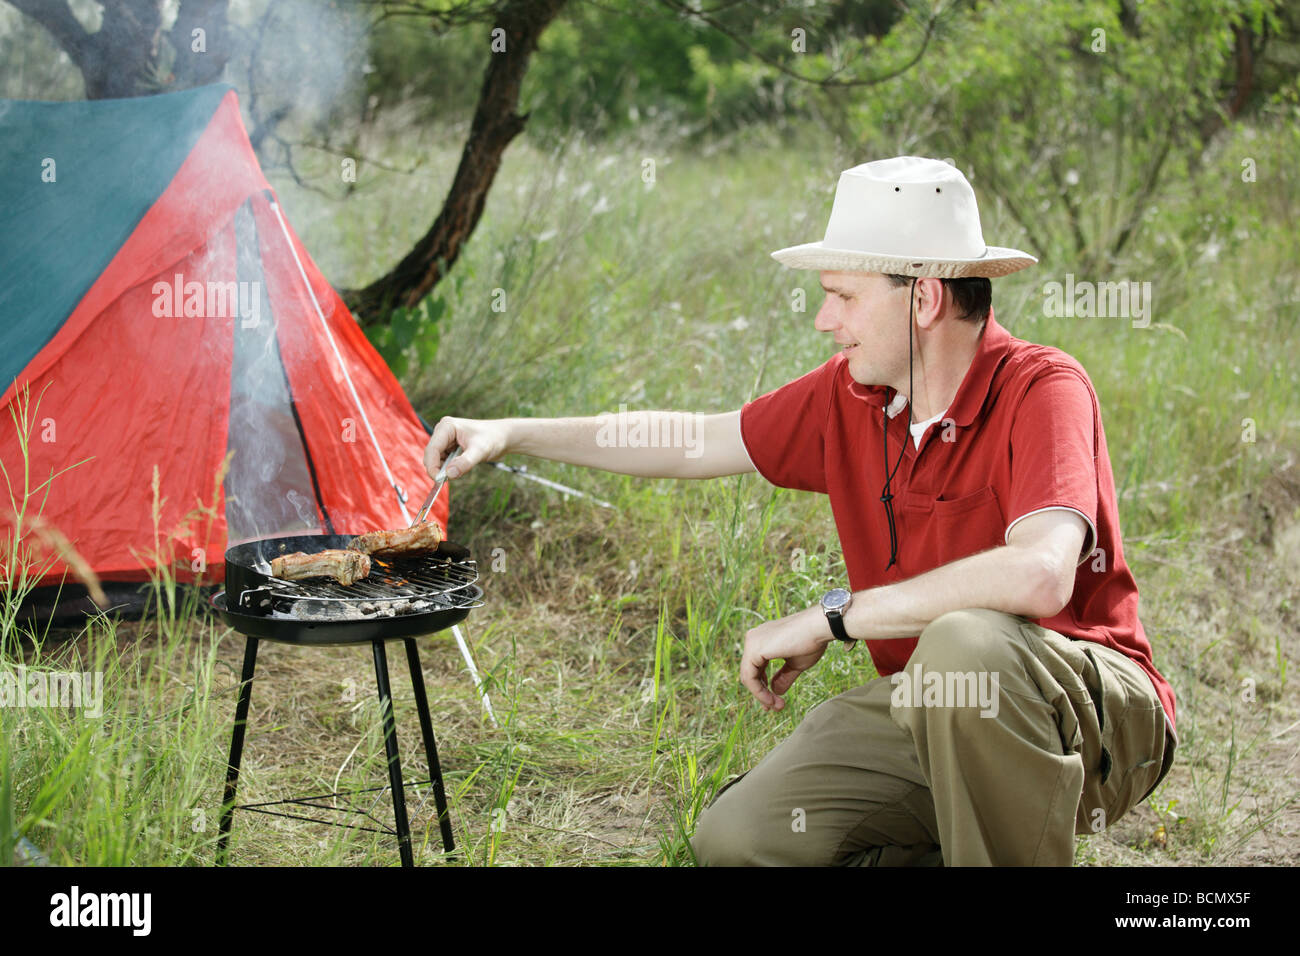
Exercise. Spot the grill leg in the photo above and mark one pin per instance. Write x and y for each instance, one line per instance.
(394, 763)
(430, 745)
(236, 749)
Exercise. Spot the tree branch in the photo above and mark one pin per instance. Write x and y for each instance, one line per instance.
(1143, 198)
(690, 12)
(58, 20)
(494, 126)
(112, 60)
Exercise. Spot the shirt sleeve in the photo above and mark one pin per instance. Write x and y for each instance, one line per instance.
(1054, 452)
(784, 431)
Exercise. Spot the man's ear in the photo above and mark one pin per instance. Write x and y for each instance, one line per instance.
(929, 301)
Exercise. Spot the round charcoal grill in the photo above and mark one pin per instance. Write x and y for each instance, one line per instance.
(401, 598)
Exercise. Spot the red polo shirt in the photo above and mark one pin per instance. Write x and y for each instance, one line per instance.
(1023, 434)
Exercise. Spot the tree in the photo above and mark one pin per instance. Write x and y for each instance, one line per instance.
(1075, 113)
(517, 27)
(131, 54)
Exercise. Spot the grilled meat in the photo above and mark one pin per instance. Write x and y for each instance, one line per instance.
(421, 539)
(345, 567)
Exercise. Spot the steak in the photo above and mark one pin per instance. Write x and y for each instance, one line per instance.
(345, 567)
(422, 539)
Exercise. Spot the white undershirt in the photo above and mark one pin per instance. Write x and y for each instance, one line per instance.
(918, 428)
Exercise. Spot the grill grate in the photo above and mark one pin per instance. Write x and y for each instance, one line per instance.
(395, 586)
(389, 580)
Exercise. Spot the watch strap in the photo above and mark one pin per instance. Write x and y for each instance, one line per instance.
(837, 627)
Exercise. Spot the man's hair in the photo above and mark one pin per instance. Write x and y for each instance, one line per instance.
(972, 296)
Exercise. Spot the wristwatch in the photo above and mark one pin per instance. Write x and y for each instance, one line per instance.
(834, 603)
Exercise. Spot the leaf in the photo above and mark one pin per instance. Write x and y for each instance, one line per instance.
(434, 309)
(426, 346)
(393, 354)
(404, 323)
(379, 336)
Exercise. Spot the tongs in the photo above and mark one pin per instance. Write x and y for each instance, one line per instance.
(438, 481)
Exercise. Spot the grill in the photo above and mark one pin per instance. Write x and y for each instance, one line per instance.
(399, 599)
(415, 595)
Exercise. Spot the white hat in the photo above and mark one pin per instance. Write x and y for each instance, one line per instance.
(905, 216)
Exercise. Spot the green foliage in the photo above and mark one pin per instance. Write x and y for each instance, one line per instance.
(411, 334)
(614, 65)
(409, 62)
(609, 67)
(1071, 115)
(612, 683)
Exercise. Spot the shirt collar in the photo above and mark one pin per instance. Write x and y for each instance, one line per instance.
(974, 388)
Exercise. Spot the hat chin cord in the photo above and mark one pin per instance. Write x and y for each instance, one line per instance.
(886, 496)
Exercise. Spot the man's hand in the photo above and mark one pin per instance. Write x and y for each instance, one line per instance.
(800, 640)
(478, 440)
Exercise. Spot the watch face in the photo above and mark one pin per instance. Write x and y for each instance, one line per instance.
(836, 599)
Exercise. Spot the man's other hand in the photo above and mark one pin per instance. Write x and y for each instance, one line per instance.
(799, 640)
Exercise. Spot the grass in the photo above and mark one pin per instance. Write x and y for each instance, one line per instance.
(610, 639)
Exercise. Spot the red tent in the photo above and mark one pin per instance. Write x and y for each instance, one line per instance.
(165, 315)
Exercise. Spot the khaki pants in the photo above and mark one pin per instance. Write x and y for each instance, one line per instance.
(1024, 739)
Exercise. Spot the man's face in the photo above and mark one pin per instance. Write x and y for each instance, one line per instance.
(866, 315)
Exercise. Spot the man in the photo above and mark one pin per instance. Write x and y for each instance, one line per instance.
(1018, 703)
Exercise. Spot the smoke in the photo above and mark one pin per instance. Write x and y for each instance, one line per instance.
(299, 66)
(32, 65)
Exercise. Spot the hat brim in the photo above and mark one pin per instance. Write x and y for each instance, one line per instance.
(996, 261)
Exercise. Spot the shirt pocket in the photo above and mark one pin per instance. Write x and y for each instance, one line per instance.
(968, 524)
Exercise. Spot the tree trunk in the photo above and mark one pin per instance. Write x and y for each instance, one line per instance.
(494, 125)
(200, 67)
(121, 59)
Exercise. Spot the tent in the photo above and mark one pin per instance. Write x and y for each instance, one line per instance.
(158, 312)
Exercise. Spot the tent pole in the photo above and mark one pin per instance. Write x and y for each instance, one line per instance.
(521, 471)
(401, 500)
(473, 672)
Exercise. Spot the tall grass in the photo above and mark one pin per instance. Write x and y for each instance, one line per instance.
(119, 780)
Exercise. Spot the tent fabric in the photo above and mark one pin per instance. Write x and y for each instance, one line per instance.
(208, 334)
(213, 181)
(59, 225)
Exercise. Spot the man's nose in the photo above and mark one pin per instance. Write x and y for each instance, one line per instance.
(825, 320)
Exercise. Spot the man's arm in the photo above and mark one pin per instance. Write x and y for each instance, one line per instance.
(1032, 576)
(651, 444)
